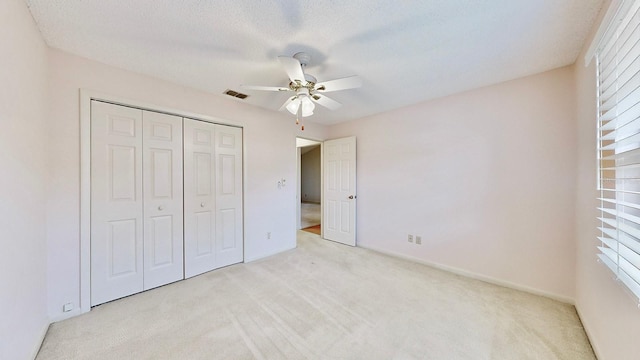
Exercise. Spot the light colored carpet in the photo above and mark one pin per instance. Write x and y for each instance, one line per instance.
(309, 215)
(324, 300)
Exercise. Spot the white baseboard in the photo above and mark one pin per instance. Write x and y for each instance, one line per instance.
(38, 344)
(271, 253)
(66, 315)
(473, 275)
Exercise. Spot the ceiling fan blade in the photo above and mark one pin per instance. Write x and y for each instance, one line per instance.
(325, 101)
(349, 82)
(293, 68)
(264, 88)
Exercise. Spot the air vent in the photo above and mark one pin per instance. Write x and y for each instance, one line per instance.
(236, 94)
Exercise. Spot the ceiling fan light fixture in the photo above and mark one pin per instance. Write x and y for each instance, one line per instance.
(307, 106)
(293, 106)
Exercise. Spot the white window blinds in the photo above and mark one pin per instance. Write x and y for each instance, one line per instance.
(618, 58)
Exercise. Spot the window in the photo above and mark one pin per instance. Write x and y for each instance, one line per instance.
(618, 60)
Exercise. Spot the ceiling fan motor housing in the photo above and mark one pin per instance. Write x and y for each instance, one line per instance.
(310, 82)
(303, 57)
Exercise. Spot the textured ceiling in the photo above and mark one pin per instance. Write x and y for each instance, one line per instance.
(405, 51)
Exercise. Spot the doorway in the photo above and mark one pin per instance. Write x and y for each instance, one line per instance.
(309, 192)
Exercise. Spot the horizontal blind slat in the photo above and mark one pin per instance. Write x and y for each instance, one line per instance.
(621, 191)
(626, 228)
(623, 203)
(617, 120)
(632, 218)
(624, 104)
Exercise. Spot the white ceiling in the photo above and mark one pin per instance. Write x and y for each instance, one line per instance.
(405, 51)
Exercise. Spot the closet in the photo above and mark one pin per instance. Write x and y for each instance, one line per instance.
(166, 199)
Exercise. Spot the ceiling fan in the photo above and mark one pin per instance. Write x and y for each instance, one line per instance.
(308, 91)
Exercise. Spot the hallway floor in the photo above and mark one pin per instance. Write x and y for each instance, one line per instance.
(309, 215)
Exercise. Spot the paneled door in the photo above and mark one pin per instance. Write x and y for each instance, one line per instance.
(199, 198)
(162, 189)
(339, 221)
(116, 202)
(212, 196)
(229, 233)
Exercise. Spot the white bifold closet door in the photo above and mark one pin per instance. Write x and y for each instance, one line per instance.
(213, 235)
(163, 215)
(136, 201)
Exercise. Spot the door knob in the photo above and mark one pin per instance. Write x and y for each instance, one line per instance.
(351, 197)
(160, 207)
(202, 204)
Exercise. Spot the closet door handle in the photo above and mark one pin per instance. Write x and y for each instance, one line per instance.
(160, 207)
(202, 204)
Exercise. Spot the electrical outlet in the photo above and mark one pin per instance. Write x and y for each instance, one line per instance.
(418, 240)
(67, 307)
(410, 238)
(269, 235)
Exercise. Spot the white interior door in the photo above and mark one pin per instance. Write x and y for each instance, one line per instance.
(229, 234)
(299, 189)
(116, 202)
(199, 197)
(339, 221)
(162, 188)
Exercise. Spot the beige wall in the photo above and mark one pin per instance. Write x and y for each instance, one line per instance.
(270, 155)
(23, 75)
(610, 315)
(485, 177)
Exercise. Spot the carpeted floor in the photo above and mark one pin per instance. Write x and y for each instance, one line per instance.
(324, 300)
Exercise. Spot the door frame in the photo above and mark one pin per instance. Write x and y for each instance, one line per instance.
(86, 96)
(299, 182)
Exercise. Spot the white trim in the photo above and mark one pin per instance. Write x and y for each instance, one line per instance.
(617, 10)
(298, 188)
(67, 315)
(473, 275)
(86, 95)
(269, 254)
(85, 199)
